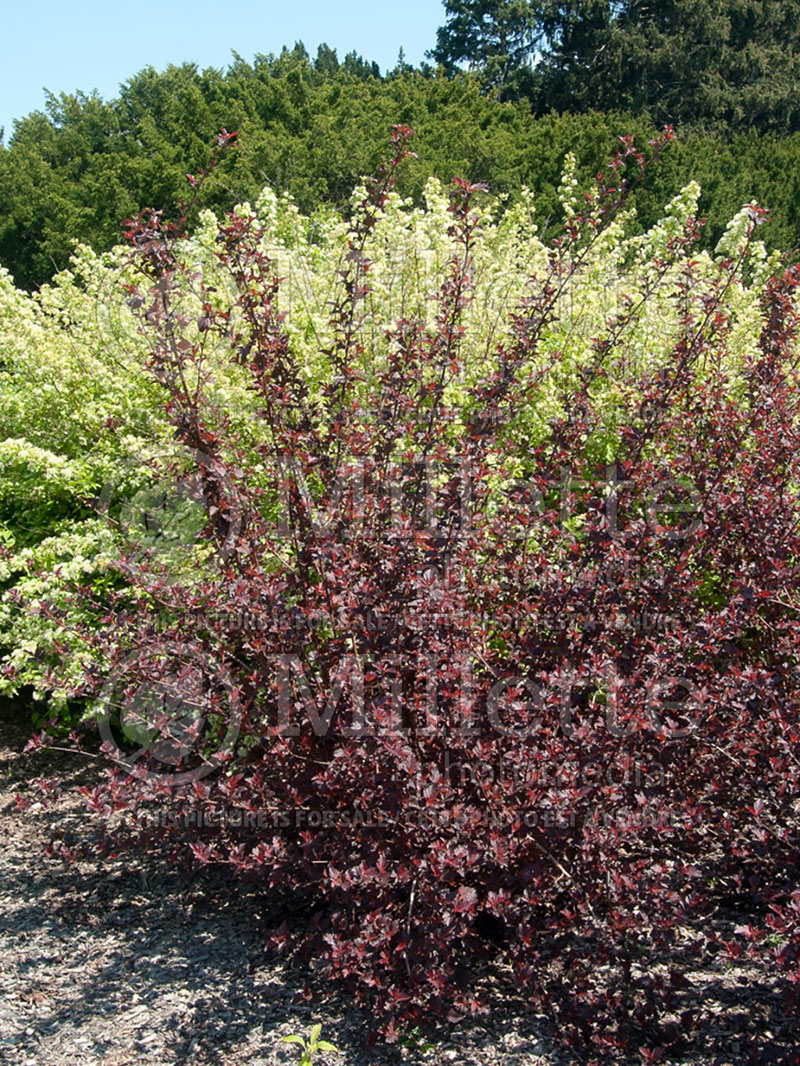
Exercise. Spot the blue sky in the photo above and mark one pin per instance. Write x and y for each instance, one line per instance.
(97, 44)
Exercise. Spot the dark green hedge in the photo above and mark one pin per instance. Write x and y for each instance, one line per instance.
(313, 128)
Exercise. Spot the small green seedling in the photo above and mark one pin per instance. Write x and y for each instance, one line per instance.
(310, 1047)
(415, 1040)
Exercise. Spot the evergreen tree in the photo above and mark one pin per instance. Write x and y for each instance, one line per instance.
(326, 62)
(78, 169)
(727, 64)
(497, 38)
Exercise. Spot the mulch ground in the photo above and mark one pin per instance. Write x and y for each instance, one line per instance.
(128, 961)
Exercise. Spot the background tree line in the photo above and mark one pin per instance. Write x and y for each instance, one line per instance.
(517, 86)
(726, 64)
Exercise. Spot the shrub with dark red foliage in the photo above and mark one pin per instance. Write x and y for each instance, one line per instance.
(552, 715)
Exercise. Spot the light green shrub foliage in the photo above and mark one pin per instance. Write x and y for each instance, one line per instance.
(79, 411)
(75, 403)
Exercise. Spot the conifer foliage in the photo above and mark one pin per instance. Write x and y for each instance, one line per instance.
(729, 64)
(732, 64)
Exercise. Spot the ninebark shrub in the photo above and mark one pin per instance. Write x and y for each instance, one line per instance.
(457, 682)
